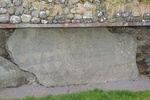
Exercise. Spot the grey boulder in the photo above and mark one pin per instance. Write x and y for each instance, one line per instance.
(10, 74)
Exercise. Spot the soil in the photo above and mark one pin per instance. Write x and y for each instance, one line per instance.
(140, 84)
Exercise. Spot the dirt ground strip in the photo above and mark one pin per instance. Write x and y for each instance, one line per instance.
(141, 84)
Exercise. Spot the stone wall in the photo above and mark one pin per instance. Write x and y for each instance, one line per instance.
(74, 11)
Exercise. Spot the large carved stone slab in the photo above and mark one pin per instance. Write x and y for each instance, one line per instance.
(64, 56)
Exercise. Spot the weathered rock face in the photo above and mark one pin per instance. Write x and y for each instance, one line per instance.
(4, 35)
(10, 74)
(143, 45)
(64, 56)
(4, 18)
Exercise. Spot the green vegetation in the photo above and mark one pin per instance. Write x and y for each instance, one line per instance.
(97, 95)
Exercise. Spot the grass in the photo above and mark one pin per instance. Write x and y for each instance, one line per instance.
(96, 95)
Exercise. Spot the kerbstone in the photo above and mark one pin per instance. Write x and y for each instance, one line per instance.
(65, 56)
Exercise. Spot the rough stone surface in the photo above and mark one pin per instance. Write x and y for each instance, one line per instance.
(50, 1)
(61, 1)
(73, 1)
(2, 4)
(11, 10)
(3, 11)
(143, 45)
(4, 35)
(26, 18)
(65, 56)
(10, 74)
(15, 19)
(88, 15)
(70, 16)
(44, 21)
(17, 2)
(19, 11)
(35, 20)
(43, 14)
(77, 16)
(35, 13)
(4, 18)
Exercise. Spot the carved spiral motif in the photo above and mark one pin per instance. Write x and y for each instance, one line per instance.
(76, 57)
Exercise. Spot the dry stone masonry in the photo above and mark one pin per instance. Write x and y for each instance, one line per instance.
(65, 56)
(74, 11)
